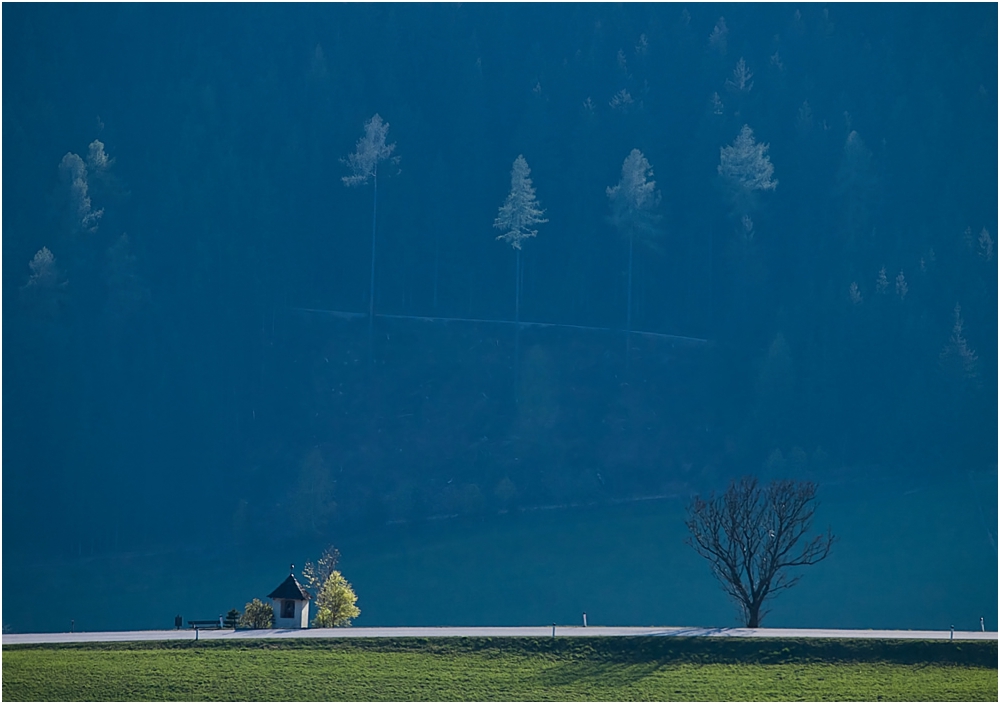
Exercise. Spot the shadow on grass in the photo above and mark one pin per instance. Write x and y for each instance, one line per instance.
(590, 674)
(654, 650)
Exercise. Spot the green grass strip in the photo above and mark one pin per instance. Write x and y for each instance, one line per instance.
(510, 669)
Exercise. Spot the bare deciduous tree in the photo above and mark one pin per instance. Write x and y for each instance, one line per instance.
(751, 537)
(316, 574)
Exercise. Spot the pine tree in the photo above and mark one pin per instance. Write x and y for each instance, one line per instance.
(634, 201)
(742, 79)
(856, 185)
(517, 218)
(958, 357)
(44, 273)
(73, 170)
(370, 150)
(44, 291)
(746, 168)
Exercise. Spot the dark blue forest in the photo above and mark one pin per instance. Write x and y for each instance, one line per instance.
(190, 358)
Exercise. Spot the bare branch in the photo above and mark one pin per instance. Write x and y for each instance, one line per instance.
(752, 535)
(316, 574)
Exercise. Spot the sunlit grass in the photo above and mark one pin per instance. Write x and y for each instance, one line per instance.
(606, 669)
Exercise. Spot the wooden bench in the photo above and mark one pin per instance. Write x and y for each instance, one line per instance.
(206, 624)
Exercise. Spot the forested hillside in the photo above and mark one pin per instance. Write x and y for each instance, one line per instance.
(812, 285)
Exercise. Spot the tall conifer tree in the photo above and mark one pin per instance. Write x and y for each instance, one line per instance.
(634, 201)
(517, 218)
(363, 162)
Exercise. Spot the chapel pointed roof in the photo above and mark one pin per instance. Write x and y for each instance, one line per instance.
(290, 589)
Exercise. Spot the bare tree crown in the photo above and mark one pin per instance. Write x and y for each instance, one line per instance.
(752, 536)
(317, 573)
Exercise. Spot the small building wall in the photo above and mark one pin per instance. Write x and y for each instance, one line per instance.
(300, 619)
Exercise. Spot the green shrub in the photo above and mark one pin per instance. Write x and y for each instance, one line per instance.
(257, 614)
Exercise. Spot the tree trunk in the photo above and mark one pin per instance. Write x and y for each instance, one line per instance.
(371, 290)
(517, 288)
(437, 259)
(628, 305)
(710, 327)
(517, 320)
(753, 616)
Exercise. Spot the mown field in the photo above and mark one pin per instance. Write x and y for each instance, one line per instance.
(505, 669)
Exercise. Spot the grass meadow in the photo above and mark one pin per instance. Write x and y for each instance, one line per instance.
(505, 669)
(912, 553)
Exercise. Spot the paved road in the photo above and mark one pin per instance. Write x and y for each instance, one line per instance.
(523, 631)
